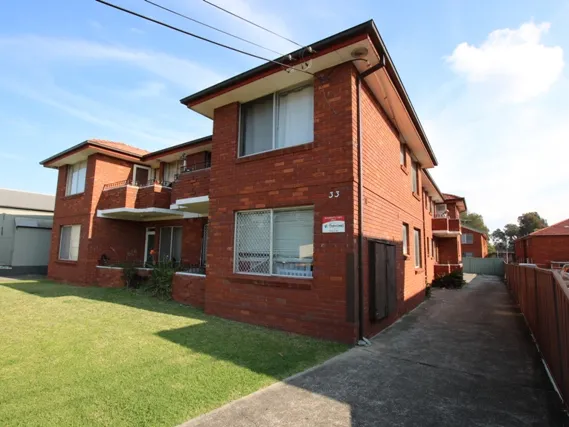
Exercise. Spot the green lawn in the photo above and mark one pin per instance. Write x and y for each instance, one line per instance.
(74, 356)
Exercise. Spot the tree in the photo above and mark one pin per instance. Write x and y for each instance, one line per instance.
(503, 239)
(530, 222)
(491, 249)
(474, 220)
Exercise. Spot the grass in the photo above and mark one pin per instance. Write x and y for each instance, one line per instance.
(85, 356)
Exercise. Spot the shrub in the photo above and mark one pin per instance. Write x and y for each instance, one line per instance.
(160, 282)
(130, 276)
(454, 280)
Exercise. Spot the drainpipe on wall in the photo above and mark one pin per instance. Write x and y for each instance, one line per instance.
(362, 340)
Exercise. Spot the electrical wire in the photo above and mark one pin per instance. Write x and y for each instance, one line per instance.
(252, 23)
(212, 27)
(122, 9)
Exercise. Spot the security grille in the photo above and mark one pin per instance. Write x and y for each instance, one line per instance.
(275, 242)
(253, 242)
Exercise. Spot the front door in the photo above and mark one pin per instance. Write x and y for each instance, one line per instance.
(149, 246)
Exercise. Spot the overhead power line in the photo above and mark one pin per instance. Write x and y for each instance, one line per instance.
(122, 9)
(252, 23)
(211, 27)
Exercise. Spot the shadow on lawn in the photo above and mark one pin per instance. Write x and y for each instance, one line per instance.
(134, 299)
(282, 354)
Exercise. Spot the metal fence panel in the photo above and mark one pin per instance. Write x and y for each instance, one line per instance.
(489, 266)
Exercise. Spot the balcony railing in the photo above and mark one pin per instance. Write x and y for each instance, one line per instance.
(134, 183)
(196, 166)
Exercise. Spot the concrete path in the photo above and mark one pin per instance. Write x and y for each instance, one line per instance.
(463, 358)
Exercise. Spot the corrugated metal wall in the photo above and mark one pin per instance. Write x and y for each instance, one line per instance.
(489, 266)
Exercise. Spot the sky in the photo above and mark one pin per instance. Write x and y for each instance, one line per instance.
(488, 80)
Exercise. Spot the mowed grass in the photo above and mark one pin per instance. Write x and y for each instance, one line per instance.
(85, 356)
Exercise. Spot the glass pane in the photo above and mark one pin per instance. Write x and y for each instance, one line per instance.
(177, 244)
(149, 247)
(75, 239)
(81, 174)
(295, 118)
(257, 126)
(165, 243)
(204, 244)
(65, 241)
(404, 237)
(253, 242)
(417, 248)
(293, 243)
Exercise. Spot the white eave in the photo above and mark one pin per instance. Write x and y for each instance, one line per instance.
(446, 233)
(379, 82)
(144, 214)
(197, 205)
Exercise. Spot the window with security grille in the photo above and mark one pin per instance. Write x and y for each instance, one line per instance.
(275, 242)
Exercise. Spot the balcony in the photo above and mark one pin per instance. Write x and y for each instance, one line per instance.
(190, 190)
(443, 226)
(128, 200)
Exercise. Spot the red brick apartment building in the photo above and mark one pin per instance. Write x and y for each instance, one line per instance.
(474, 242)
(309, 209)
(546, 246)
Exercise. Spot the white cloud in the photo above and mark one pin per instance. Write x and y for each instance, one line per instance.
(515, 63)
(182, 72)
(506, 158)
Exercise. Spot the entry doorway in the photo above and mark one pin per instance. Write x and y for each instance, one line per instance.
(382, 279)
(149, 246)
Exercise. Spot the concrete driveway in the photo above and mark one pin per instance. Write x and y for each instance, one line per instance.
(463, 358)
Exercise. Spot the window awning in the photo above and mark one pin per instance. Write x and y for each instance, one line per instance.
(144, 214)
(197, 205)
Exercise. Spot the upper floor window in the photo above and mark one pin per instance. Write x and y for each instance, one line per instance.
(76, 178)
(280, 120)
(402, 154)
(467, 238)
(171, 170)
(414, 178)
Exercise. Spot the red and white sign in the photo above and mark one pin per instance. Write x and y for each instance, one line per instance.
(334, 224)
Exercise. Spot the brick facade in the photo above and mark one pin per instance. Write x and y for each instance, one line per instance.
(542, 250)
(479, 246)
(322, 174)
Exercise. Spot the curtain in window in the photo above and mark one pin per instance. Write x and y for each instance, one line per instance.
(253, 242)
(76, 178)
(177, 244)
(74, 245)
(165, 243)
(295, 117)
(414, 178)
(293, 242)
(65, 242)
(417, 248)
(257, 126)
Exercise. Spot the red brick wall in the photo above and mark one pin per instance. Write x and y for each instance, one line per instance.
(107, 277)
(153, 196)
(388, 203)
(189, 289)
(449, 250)
(295, 176)
(119, 197)
(479, 245)
(191, 184)
(544, 249)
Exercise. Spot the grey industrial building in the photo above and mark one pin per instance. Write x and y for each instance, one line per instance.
(26, 220)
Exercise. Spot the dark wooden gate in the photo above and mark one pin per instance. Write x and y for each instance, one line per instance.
(382, 280)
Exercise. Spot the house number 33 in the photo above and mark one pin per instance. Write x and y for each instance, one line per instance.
(334, 194)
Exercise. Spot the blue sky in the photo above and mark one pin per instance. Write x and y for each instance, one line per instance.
(487, 78)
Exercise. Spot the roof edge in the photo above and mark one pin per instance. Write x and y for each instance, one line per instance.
(87, 143)
(152, 154)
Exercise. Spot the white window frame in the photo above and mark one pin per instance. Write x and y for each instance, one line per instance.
(464, 239)
(72, 227)
(150, 231)
(71, 169)
(271, 211)
(405, 238)
(275, 118)
(417, 248)
(134, 170)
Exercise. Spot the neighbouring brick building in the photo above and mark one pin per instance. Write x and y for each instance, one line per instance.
(310, 208)
(546, 246)
(474, 242)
